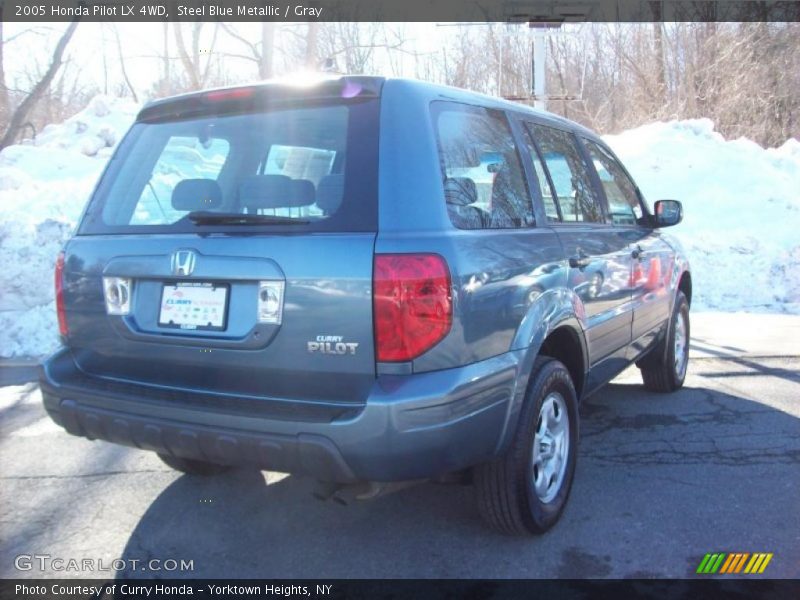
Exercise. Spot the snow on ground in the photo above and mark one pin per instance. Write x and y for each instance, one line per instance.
(43, 189)
(742, 211)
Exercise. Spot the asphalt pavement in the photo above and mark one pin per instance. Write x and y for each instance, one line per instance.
(661, 481)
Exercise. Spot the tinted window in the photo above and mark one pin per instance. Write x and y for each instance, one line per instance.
(481, 170)
(623, 201)
(181, 158)
(569, 174)
(313, 164)
(548, 197)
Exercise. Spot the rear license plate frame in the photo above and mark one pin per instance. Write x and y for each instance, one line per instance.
(216, 324)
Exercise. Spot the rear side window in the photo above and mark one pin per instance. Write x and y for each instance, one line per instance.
(569, 174)
(481, 170)
(311, 167)
(623, 200)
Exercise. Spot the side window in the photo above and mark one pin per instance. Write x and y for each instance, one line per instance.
(548, 196)
(569, 174)
(181, 158)
(623, 201)
(481, 170)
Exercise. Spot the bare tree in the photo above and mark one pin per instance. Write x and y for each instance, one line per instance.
(191, 57)
(260, 52)
(5, 97)
(267, 50)
(611, 76)
(658, 46)
(742, 76)
(124, 71)
(311, 54)
(20, 114)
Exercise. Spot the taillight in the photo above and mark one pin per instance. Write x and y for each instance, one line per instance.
(412, 304)
(62, 315)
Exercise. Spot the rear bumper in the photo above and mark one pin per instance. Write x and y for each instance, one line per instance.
(411, 427)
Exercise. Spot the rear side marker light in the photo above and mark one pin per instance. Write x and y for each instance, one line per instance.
(413, 305)
(270, 302)
(117, 291)
(63, 329)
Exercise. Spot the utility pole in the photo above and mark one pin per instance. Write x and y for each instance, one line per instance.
(539, 69)
(541, 32)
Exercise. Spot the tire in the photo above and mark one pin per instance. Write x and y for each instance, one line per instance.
(193, 467)
(507, 487)
(664, 369)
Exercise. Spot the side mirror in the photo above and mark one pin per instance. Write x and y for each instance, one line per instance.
(668, 213)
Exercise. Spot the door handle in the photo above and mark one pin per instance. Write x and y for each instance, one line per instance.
(637, 253)
(579, 261)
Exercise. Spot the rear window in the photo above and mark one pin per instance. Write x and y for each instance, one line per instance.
(311, 167)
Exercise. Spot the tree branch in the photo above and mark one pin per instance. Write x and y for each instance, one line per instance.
(20, 115)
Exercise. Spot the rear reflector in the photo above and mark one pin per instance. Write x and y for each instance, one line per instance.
(412, 304)
(63, 330)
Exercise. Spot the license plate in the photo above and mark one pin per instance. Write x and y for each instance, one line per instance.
(193, 305)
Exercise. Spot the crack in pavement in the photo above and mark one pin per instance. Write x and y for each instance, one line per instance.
(734, 458)
(85, 475)
(597, 424)
(727, 434)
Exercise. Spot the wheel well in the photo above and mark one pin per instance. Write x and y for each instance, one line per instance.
(685, 285)
(563, 345)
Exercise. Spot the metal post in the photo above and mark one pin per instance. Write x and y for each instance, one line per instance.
(539, 64)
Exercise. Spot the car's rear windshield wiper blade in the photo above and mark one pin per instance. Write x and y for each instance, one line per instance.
(202, 217)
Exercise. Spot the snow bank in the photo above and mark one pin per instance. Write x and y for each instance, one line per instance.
(43, 189)
(741, 210)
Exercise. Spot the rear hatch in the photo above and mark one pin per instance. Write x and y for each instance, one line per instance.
(228, 248)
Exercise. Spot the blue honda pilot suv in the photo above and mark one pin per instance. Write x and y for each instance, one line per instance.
(368, 281)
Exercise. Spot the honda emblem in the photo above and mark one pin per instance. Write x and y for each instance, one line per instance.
(183, 262)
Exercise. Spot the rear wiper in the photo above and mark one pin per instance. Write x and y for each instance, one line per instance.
(202, 217)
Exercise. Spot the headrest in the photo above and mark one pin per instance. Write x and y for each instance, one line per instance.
(196, 194)
(275, 191)
(330, 191)
(460, 191)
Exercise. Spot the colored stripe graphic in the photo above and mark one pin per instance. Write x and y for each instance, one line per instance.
(752, 563)
(764, 564)
(718, 563)
(728, 563)
(740, 564)
(703, 563)
(757, 565)
(711, 563)
(724, 563)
